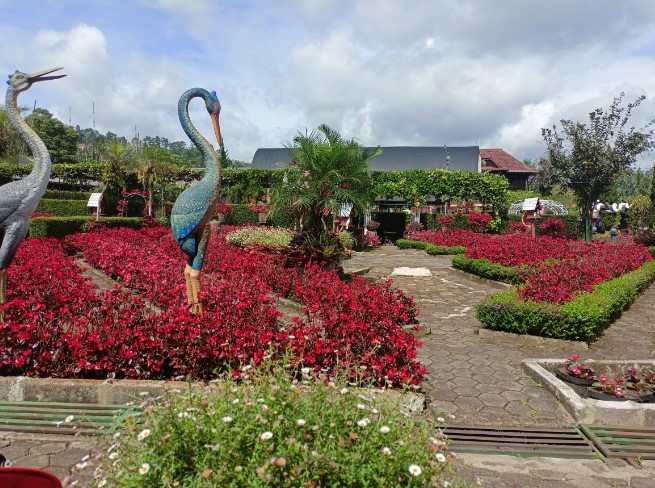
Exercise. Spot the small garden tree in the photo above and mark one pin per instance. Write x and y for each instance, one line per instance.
(587, 158)
(326, 173)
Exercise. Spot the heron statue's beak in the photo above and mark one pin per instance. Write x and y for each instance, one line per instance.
(40, 76)
(217, 128)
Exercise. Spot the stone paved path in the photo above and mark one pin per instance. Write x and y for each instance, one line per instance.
(472, 374)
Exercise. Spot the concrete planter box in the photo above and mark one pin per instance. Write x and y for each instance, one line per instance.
(588, 410)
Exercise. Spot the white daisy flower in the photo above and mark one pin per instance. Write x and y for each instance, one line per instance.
(363, 422)
(441, 458)
(145, 467)
(344, 391)
(361, 406)
(143, 434)
(415, 469)
(386, 451)
(384, 429)
(301, 422)
(227, 419)
(441, 419)
(266, 435)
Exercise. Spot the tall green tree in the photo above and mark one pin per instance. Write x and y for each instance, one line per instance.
(588, 157)
(59, 138)
(326, 173)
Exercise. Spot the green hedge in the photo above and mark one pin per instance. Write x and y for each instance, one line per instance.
(64, 208)
(487, 269)
(242, 215)
(60, 227)
(429, 248)
(582, 319)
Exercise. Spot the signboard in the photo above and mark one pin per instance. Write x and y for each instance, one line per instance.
(94, 200)
(530, 204)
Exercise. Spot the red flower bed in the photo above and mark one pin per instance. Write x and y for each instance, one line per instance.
(556, 269)
(356, 322)
(57, 324)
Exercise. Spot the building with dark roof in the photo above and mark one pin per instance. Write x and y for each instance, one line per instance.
(499, 162)
(397, 158)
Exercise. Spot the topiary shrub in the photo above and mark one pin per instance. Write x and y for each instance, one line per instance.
(63, 208)
(60, 227)
(487, 269)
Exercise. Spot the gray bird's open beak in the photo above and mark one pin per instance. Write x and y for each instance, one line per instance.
(40, 76)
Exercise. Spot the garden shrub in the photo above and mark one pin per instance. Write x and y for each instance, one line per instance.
(552, 227)
(460, 221)
(408, 244)
(260, 236)
(285, 428)
(583, 318)
(64, 208)
(487, 269)
(61, 227)
(440, 250)
(347, 239)
(242, 215)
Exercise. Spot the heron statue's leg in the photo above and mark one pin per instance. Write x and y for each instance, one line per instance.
(196, 266)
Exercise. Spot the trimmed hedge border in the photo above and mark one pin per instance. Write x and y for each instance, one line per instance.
(429, 248)
(60, 227)
(64, 208)
(487, 269)
(581, 319)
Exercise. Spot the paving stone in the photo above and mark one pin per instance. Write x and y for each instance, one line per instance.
(47, 448)
(492, 400)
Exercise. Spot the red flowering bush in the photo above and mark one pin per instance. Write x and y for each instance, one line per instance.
(479, 220)
(224, 208)
(445, 221)
(517, 228)
(371, 240)
(553, 227)
(259, 209)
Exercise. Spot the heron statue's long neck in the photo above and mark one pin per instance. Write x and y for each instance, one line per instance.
(212, 165)
(40, 174)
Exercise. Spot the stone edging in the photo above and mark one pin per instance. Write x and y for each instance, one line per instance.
(120, 392)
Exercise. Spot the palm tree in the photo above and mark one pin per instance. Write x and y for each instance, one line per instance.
(326, 173)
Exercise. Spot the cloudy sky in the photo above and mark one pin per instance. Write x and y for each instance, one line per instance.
(387, 72)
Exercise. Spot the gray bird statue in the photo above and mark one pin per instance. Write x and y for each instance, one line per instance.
(19, 199)
(196, 205)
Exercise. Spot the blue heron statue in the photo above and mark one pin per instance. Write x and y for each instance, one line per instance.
(19, 199)
(196, 205)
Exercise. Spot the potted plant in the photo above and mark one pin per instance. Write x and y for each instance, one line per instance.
(446, 221)
(576, 372)
(372, 226)
(262, 212)
(223, 210)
